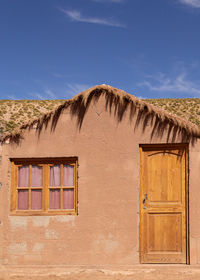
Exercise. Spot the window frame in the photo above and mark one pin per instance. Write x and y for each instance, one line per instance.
(46, 163)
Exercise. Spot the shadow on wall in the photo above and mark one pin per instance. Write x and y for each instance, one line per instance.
(119, 102)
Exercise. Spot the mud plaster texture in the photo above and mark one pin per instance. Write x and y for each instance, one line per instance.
(106, 229)
(81, 273)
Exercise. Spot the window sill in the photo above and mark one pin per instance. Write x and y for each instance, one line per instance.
(43, 213)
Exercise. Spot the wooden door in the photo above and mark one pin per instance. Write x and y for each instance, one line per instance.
(163, 204)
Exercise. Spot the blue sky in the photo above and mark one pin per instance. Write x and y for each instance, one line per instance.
(53, 49)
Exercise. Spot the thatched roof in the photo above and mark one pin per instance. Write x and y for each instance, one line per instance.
(40, 113)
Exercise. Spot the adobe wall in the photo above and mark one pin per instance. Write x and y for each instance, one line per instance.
(105, 231)
(194, 205)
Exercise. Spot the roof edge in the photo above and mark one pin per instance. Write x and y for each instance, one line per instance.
(121, 100)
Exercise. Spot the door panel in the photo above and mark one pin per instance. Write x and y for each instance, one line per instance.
(164, 171)
(169, 224)
(163, 230)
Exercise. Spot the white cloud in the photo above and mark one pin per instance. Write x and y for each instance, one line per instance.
(50, 94)
(12, 97)
(75, 15)
(46, 95)
(67, 91)
(73, 89)
(58, 75)
(141, 97)
(179, 84)
(37, 95)
(192, 3)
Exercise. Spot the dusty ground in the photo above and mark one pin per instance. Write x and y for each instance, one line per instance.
(168, 272)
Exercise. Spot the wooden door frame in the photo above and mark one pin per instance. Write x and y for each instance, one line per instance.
(168, 146)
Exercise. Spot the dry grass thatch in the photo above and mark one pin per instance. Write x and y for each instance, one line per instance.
(119, 102)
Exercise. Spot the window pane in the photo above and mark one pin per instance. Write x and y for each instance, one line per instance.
(36, 176)
(68, 175)
(23, 176)
(36, 199)
(54, 199)
(68, 199)
(54, 179)
(23, 199)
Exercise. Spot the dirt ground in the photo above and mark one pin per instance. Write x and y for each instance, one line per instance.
(65, 273)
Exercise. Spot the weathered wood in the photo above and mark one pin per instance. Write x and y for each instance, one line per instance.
(163, 204)
(45, 164)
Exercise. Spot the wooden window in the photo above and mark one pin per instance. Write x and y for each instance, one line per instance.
(44, 186)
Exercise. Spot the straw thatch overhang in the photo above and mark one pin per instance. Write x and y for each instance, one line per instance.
(119, 102)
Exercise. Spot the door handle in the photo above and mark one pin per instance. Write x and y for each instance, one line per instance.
(144, 200)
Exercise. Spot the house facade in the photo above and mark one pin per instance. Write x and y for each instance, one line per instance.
(105, 179)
